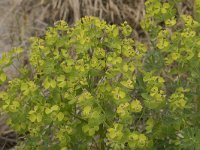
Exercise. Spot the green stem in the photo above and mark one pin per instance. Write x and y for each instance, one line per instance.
(102, 136)
(77, 117)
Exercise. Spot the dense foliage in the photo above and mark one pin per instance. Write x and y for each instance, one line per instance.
(91, 86)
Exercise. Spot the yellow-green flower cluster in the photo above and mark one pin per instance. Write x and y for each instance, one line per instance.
(177, 100)
(137, 141)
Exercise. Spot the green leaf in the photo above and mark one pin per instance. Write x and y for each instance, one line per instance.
(149, 125)
(39, 117)
(125, 68)
(85, 128)
(55, 108)
(61, 78)
(62, 84)
(3, 77)
(46, 84)
(115, 32)
(60, 116)
(32, 117)
(53, 83)
(91, 132)
(48, 111)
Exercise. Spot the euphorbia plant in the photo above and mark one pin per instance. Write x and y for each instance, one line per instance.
(77, 91)
(91, 86)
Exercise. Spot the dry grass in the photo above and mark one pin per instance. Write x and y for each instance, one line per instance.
(31, 17)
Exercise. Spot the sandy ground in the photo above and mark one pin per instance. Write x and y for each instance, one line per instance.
(5, 7)
(8, 32)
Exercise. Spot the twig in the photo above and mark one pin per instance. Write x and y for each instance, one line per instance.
(7, 139)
